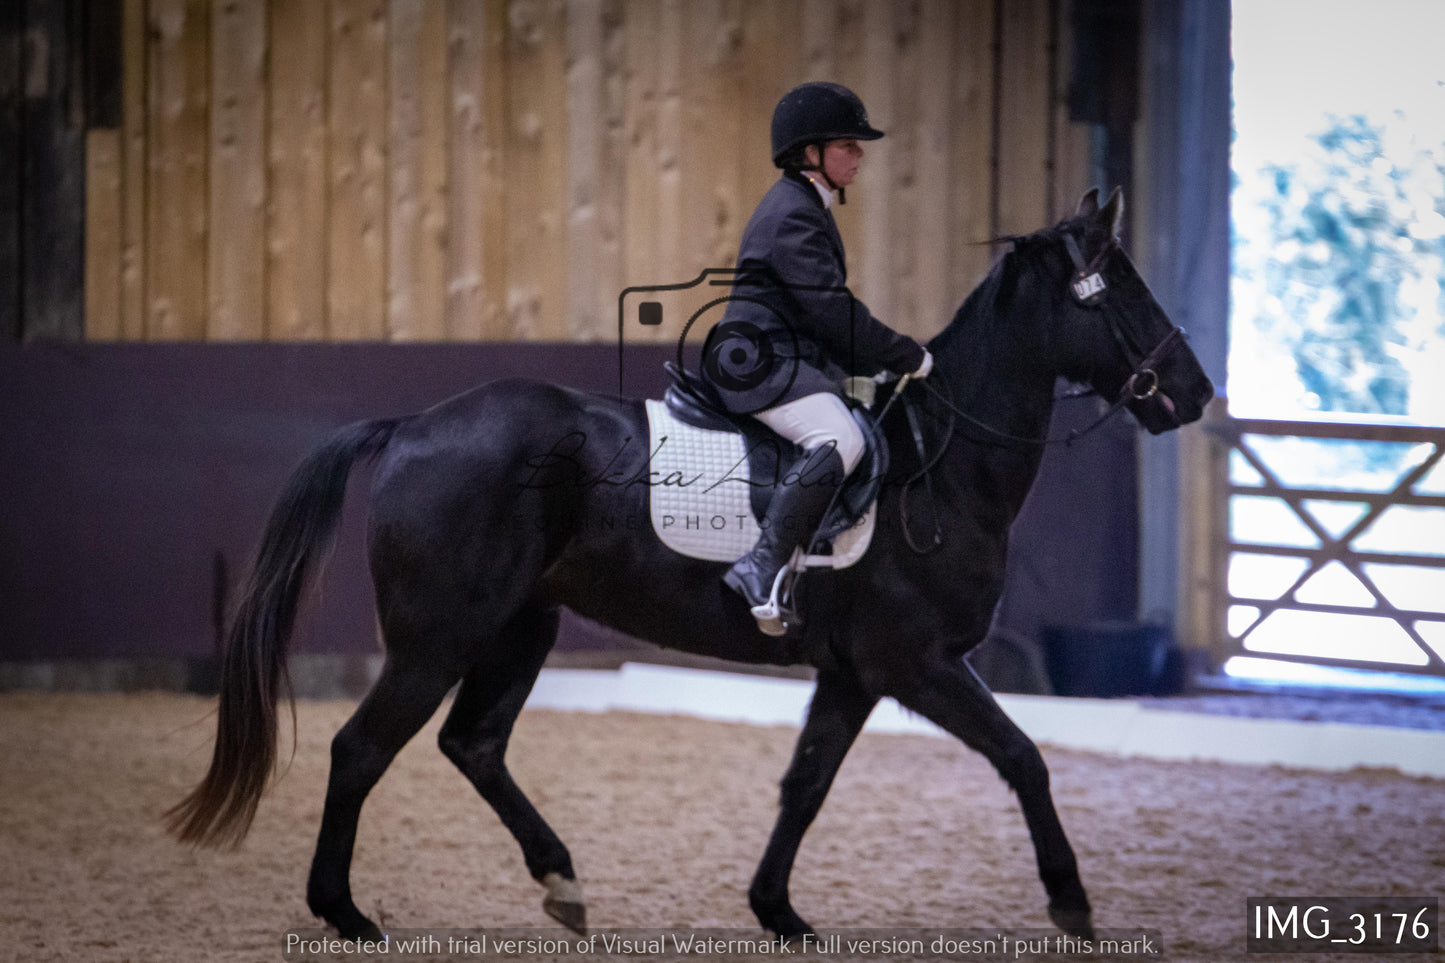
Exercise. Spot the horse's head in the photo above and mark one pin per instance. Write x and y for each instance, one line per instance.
(1111, 333)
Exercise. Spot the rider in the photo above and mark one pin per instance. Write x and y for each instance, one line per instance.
(794, 332)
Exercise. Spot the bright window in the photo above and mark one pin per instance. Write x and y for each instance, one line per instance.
(1337, 309)
(1338, 208)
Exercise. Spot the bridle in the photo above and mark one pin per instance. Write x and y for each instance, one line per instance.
(1088, 289)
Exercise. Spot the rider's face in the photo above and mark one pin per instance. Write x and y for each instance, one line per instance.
(840, 160)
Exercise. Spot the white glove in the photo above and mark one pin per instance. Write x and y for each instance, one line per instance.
(924, 368)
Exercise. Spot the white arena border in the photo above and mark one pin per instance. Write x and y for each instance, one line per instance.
(1115, 726)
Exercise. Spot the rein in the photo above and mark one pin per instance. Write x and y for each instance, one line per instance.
(1143, 373)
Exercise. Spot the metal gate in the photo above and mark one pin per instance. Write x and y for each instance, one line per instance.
(1329, 542)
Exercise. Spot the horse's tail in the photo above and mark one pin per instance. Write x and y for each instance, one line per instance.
(219, 810)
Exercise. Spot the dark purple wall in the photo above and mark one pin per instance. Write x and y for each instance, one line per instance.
(1074, 550)
(133, 477)
(134, 481)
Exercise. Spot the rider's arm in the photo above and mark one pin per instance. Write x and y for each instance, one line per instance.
(802, 254)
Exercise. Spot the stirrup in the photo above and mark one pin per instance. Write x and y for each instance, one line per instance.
(771, 615)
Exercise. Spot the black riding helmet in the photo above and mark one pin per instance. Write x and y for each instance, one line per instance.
(816, 113)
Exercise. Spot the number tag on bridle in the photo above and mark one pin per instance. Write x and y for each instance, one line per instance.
(1088, 285)
(1088, 289)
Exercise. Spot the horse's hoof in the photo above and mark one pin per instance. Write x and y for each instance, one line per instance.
(1077, 923)
(564, 902)
(371, 934)
(355, 926)
(361, 930)
(571, 915)
(789, 927)
(792, 940)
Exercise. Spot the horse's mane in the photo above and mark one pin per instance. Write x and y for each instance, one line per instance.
(993, 298)
(990, 300)
(978, 306)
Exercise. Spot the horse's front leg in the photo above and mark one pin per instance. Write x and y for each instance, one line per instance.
(949, 694)
(839, 708)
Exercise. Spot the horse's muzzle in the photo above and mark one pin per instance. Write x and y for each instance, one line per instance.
(1155, 410)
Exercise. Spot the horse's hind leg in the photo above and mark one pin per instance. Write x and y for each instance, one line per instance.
(950, 695)
(475, 737)
(836, 715)
(403, 699)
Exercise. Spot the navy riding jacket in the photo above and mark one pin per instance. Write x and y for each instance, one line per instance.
(792, 328)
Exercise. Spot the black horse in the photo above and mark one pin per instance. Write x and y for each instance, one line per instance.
(471, 562)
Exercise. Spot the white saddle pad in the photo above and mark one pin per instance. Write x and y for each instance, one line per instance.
(699, 495)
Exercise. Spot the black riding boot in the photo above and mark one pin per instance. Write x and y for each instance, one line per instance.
(793, 516)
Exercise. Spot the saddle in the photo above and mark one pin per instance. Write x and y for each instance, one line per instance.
(692, 401)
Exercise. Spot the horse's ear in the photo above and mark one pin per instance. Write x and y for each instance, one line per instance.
(1112, 216)
(1089, 203)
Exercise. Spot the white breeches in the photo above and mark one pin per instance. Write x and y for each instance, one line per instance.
(818, 420)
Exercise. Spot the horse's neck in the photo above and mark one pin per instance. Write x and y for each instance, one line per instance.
(992, 358)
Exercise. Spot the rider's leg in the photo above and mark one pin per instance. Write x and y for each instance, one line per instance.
(817, 420)
(832, 446)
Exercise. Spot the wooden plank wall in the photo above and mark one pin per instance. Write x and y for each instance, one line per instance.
(417, 170)
(43, 120)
